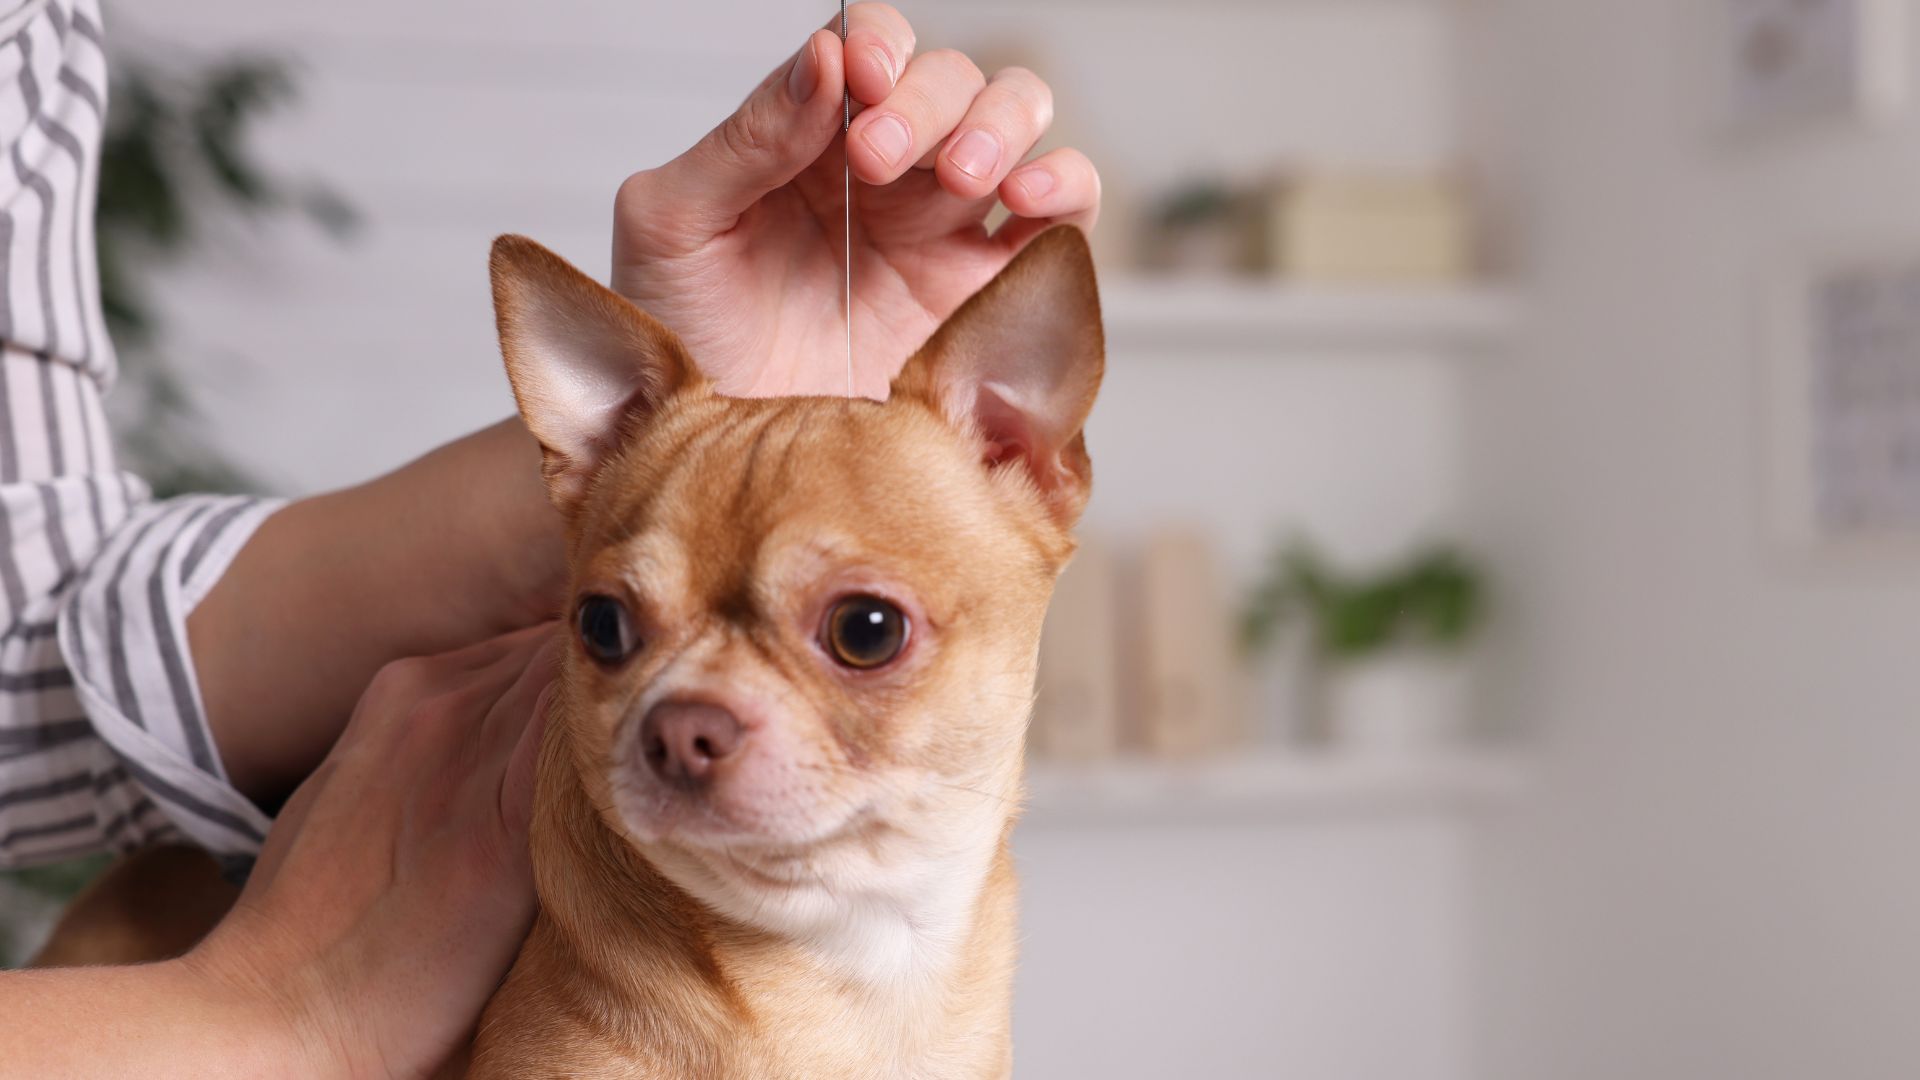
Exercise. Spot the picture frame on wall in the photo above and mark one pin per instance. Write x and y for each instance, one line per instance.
(1781, 65)
(1842, 404)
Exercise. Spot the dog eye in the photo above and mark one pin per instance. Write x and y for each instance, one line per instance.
(605, 629)
(865, 632)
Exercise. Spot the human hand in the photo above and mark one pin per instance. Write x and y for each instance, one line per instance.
(737, 245)
(395, 889)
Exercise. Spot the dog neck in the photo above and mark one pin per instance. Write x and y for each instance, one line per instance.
(927, 969)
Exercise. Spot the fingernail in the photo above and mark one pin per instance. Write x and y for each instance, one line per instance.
(1035, 182)
(888, 137)
(801, 81)
(977, 153)
(881, 54)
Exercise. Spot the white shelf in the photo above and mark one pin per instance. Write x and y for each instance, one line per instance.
(1187, 315)
(1256, 785)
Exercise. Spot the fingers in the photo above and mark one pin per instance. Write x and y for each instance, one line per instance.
(1058, 188)
(508, 717)
(1002, 124)
(488, 682)
(932, 96)
(788, 121)
(486, 654)
(504, 775)
(516, 787)
(879, 46)
(784, 125)
(423, 699)
(414, 676)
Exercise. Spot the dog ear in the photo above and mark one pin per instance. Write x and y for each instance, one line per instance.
(1019, 364)
(585, 364)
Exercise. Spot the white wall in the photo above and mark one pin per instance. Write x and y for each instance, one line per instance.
(1319, 948)
(1717, 878)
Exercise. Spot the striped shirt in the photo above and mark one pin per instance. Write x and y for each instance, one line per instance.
(104, 742)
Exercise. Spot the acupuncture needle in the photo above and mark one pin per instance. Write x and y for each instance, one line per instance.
(846, 183)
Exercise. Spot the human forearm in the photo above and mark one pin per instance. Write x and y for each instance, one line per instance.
(456, 546)
(156, 1020)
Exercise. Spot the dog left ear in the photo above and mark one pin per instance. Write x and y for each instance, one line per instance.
(585, 364)
(1019, 364)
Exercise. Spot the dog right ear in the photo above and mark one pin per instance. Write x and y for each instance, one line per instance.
(1017, 368)
(585, 364)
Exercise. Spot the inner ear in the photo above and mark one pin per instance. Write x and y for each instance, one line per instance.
(587, 367)
(1019, 364)
(1004, 429)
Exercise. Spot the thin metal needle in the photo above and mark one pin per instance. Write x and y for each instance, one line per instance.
(846, 176)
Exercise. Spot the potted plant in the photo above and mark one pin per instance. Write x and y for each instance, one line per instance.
(1389, 644)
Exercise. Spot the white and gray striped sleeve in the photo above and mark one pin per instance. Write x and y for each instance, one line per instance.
(123, 636)
(63, 792)
(104, 742)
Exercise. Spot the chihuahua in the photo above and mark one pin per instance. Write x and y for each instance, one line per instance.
(784, 755)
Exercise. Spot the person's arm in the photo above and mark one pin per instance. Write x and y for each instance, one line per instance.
(155, 1020)
(456, 546)
(342, 957)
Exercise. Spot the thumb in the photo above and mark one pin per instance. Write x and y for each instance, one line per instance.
(788, 121)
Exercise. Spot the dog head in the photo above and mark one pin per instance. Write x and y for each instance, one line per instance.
(804, 630)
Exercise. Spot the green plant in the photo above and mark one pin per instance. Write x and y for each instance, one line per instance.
(175, 162)
(1200, 202)
(1434, 599)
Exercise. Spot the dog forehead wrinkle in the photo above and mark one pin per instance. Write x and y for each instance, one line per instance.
(747, 462)
(755, 466)
(727, 477)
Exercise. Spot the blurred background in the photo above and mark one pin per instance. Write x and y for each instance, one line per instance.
(1492, 655)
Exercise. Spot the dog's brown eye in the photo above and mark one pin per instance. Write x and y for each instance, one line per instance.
(865, 632)
(606, 631)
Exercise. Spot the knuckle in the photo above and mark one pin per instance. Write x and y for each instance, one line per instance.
(887, 19)
(641, 214)
(960, 64)
(745, 135)
(398, 679)
(1035, 97)
(1022, 80)
(1079, 163)
(914, 103)
(636, 194)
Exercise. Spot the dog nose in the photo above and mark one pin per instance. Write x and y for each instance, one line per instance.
(684, 740)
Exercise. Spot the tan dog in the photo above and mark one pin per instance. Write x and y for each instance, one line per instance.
(784, 758)
(775, 794)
